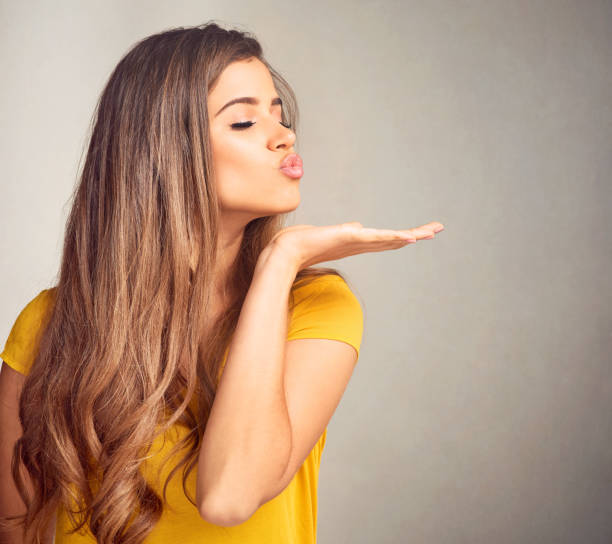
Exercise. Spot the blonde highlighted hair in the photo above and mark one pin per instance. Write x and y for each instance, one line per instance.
(123, 349)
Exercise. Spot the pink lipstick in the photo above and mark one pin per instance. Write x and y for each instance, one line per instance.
(292, 166)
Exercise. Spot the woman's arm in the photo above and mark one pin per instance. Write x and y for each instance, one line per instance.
(262, 425)
(11, 384)
(247, 441)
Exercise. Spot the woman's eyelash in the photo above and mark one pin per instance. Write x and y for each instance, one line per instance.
(247, 124)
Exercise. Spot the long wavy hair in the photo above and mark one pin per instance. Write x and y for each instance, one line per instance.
(123, 350)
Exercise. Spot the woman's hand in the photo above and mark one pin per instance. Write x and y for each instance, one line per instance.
(306, 245)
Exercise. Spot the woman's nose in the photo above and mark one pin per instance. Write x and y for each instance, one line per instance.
(282, 136)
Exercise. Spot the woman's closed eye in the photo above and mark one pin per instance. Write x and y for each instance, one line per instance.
(247, 124)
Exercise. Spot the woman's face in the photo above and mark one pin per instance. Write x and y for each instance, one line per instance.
(246, 160)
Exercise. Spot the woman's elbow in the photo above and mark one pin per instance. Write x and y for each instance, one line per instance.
(224, 513)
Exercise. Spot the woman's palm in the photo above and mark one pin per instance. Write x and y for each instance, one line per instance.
(309, 244)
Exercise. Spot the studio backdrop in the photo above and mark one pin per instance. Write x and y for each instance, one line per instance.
(481, 406)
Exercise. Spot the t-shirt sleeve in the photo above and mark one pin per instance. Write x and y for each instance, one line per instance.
(22, 344)
(327, 308)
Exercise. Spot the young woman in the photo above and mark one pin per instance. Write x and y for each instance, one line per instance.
(188, 329)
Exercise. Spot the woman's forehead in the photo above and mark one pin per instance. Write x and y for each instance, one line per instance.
(247, 78)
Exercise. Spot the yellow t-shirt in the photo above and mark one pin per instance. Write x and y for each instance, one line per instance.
(325, 308)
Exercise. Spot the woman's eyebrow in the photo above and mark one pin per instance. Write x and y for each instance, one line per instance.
(249, 100)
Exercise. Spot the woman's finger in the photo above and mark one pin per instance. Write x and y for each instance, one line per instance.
(425, 231)
(376, 235)
(372, 234)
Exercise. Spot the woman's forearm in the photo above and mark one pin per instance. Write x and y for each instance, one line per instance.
(247, 441)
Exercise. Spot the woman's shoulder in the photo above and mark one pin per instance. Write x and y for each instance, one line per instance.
(308, 285)
(321, 287)
(37, 308)
(326, 307)
(22, 342)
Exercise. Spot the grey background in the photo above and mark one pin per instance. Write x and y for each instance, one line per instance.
(480, 409)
